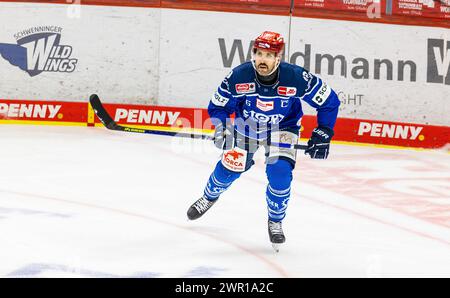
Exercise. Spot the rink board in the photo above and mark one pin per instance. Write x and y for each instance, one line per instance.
(170, 57)
(163, 57)
(165, 118)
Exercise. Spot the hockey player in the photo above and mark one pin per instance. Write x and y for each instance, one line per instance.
(265, 96)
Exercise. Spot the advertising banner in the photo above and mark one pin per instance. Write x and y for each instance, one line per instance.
(286, 3)
(159, 117)
(135, 3)
(273, 7)
(422, 8)
(43, 112)
(402, 76)
(360, 6)
(176, 119)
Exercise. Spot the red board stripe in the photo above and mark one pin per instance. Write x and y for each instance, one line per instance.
(161, 117)
(273, 7)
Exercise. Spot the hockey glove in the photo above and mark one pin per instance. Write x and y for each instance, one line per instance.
(319, 143)
(224, 136)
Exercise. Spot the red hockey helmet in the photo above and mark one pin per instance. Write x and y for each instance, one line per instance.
(270, 41)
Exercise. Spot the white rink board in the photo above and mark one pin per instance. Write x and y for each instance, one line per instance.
(191, 55)
(174, 57)
(116, 48)
(191, 65)
(382, 99)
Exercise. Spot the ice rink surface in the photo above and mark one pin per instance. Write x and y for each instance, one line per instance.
(88, 202)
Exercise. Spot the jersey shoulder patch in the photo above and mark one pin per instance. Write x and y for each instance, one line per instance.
(322, 94)
(219, 100)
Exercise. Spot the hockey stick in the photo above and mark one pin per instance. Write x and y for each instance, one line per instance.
(109, 123)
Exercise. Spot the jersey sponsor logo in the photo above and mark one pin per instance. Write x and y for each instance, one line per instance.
(146, 116)
(392, 131)
(287, 91)
(264, 105)
(245, 88)
(219, 100)
(233, 154)
(38, 50)
(322, 94)
(235, 159)
(263, 118)
(38, 111)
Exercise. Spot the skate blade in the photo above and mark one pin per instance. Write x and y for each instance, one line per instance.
(276, 247)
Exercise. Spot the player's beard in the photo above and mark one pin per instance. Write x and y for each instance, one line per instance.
(263, 69)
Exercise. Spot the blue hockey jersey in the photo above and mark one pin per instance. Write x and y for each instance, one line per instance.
(260, 108)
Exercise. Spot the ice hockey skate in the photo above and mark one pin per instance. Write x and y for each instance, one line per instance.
(199, 208)
(276, 234)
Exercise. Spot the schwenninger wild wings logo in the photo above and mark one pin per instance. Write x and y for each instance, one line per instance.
(38, 50)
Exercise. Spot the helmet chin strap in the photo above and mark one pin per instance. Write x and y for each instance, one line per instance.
(273, 70)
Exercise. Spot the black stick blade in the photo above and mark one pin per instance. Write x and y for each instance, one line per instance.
(101, 112)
